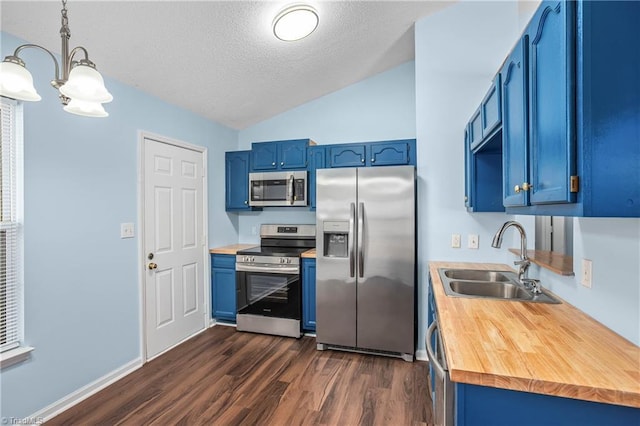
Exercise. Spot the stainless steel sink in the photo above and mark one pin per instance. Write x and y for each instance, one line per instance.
(475, 275)
(499, 285)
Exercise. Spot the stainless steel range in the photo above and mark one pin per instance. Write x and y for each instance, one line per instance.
(268, 281)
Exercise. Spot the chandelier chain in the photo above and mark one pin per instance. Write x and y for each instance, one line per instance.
(65, 19)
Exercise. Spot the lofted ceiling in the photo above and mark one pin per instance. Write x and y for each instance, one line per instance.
(220, 59)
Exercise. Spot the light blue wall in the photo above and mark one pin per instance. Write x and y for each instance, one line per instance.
(381, 107)
(82, 307)
(458, 52)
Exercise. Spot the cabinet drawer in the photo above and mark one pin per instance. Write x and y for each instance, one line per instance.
(227, 261)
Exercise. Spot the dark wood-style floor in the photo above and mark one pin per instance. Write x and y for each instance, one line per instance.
(225, 377)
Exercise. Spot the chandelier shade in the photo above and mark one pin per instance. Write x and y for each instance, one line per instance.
(87, 109)
(16, 82)
(86, 84)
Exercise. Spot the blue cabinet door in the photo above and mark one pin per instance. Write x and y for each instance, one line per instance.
(264, 156)
(491, 109)
(223, 287)
(475, 128)
(483, 405)
(551, 35)
(237, 166)
(309, 294)
(394, 153)
(317, 160)
(293, 154)
(515, 130)
(347, 155)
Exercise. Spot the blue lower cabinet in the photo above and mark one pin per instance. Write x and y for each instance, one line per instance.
(223, 287)
(309, 294)
(481, 405)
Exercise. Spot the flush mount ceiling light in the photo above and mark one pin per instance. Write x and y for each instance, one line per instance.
(295, 22)
(80, 85)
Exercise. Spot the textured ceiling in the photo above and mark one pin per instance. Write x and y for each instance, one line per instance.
(220, 59)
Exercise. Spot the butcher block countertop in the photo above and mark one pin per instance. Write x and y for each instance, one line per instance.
(309, 253)
(551, 349)
(231, 249)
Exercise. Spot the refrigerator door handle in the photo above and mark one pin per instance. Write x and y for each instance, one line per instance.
(352, 214)
(361, 240)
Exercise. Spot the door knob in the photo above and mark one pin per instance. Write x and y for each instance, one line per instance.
(152, 266)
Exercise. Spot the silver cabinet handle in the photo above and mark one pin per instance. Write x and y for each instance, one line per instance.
(361, 240)
(352, 214)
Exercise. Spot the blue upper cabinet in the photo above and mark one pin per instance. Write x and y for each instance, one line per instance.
(485, 122)
(394, 153)
(264, 156)
(515, 130)
(370, 154)
(347, 155)
(570, 119)
(468, 168)
(237, 166)
(491, 109)
(475, 128)
(317, 160)
(551, 103)
(280, 155)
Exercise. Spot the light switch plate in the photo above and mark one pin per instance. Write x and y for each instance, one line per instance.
(472, 241)
(455, 240)
(126, 230)
(587, 273)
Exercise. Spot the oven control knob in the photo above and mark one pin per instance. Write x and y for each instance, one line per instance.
(288, 260)
(253, 259)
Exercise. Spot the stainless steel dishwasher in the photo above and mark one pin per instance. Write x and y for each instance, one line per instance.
(443, 391)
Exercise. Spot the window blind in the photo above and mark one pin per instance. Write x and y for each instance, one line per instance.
(10, 232)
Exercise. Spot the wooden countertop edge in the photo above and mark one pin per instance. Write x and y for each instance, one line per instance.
(230, 249)
(626, 395)
(587, 393)
(309, 254)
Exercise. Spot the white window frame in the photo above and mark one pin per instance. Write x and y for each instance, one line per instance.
(13, 350)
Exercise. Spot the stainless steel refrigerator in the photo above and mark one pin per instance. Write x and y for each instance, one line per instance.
(366, 251)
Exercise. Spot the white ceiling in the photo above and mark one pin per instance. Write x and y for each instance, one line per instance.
(220, 59)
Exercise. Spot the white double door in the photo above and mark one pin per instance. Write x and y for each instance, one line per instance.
(174, 244)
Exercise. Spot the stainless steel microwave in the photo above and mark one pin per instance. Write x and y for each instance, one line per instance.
(278, 189)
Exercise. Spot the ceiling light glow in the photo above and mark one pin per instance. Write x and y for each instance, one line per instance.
(295, 22)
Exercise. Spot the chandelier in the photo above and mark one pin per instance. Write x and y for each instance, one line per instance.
(80, 85)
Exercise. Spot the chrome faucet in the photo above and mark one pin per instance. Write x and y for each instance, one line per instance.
(523, 263)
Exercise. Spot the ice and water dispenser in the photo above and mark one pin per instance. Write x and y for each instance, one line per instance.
(336, 238)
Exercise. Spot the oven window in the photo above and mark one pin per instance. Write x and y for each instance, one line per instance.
(269, 288)
(269, 294)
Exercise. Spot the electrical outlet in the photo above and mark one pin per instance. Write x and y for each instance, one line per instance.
(455, 240)
(587, 273)
(126, 230)
(472, 241)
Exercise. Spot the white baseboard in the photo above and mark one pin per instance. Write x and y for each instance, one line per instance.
(85, 392)
(421, 355)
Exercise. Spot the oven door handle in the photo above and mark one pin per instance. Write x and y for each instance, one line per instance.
(283, 270)
(431, 353)
(351, 248)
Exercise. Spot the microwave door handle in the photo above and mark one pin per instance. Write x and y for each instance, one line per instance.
(290, 190)
(352, 214)
(361, 239)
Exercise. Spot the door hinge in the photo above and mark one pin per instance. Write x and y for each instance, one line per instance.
(574, 184)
